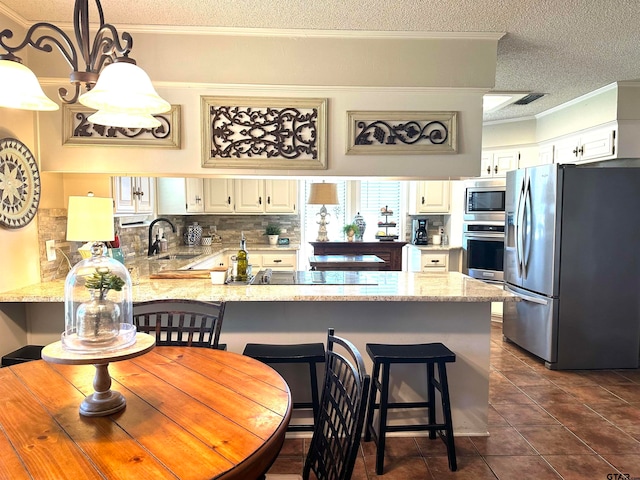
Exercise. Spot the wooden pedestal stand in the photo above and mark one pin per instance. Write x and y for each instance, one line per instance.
(103, 401)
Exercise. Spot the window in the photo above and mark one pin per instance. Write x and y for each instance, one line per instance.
(367, 197)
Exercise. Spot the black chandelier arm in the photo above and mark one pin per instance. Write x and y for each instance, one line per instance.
(63, 92)
(44, 42)
(107, 47)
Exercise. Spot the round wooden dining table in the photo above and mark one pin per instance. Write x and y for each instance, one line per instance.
(191, 413)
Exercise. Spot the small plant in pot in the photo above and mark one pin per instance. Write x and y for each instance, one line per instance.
(350, 230)
(273, 232)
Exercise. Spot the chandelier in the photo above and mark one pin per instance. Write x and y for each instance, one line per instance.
(113, 84)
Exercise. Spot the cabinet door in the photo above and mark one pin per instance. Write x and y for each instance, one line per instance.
(434, 262)
(545, 155)
(194, 198)
(566, 150)
(125, 200)
(504, 162)
(433, 197)
(218, 195)
(144, 193)
(597, 144)
(281, 196)
(249, 196)
(486, 164)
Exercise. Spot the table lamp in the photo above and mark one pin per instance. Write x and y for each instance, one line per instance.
(323, 194)
(97, 290)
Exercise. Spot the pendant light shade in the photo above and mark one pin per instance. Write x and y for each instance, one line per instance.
(20, 88)
(124, 120)
(124, 87)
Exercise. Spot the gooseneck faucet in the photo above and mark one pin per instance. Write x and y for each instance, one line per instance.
(154, 247)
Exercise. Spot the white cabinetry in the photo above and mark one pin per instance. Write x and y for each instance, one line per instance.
(213, 195)
(587, 146)
(497, 163)
(435, 259)
(177, 196)
(431, 197)
(133, 195)
(265, 258)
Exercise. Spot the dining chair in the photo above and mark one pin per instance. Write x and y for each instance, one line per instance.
(190, 323)
(336, 437)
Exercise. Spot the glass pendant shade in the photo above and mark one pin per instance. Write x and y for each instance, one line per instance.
(124, 120)
(125, 88)
(20, 88)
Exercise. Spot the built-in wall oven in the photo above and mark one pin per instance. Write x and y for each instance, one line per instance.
(483, 250)
(485, 200)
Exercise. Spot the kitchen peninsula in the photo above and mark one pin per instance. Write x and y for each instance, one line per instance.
(394, 307)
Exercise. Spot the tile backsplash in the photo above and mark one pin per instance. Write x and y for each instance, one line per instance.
(134, 239)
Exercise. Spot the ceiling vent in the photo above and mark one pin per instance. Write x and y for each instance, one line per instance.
(528, 99)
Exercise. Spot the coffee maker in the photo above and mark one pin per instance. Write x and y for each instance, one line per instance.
(420, 231)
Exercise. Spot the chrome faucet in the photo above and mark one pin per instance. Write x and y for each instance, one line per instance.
(154, 247)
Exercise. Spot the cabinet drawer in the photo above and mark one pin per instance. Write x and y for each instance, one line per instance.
(287, 261)
(431, 262)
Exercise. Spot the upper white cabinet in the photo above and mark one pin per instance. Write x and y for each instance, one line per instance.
(177, 196)
(218, 195)
(213, 195)
(133, 195)
(431, 196)
(497, 163)
(587, 146)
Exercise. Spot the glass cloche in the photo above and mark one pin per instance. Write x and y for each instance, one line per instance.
(98, 306)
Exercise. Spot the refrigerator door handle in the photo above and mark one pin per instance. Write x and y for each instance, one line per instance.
(526, 232)
(527, 298)
(519, 232)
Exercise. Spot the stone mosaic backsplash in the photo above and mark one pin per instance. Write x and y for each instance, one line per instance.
(134, 239)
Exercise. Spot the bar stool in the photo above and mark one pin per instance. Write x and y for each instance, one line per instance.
(309, 353)
(430, 354)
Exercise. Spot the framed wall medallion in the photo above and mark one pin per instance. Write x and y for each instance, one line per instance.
(398, 133)
(78, 130)
(19, 184)
(264, 132)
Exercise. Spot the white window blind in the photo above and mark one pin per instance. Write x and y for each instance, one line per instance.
(374, 196)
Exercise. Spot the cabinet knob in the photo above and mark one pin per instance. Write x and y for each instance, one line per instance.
(495, 169)
(489, 170)
(435, 261)
(277, 261)
(229, 200)
(269, 200)
(422, 200)
(259, 200)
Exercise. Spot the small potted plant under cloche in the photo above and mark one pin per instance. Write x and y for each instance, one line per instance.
(350, 230)
(273, 232)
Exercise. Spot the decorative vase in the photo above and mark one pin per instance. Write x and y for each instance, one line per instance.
(359, 221)
(273, 239)
(350, 235)
(193, 235)
(98, 319)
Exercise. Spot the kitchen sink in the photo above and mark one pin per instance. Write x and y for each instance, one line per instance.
(179, 256)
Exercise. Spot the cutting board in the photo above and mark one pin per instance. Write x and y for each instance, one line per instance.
(177, 274)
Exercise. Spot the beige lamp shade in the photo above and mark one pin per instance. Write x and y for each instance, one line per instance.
(90, 219)
(20, 88)
(323, 194)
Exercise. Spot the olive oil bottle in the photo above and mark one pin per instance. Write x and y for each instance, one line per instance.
(243, 261)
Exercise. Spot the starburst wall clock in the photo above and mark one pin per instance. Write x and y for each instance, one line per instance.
(19, 184)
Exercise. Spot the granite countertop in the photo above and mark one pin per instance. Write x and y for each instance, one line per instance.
(391, 286)
(444, 248)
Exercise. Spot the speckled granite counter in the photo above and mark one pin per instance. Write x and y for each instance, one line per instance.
(391, 287)
(403, 308)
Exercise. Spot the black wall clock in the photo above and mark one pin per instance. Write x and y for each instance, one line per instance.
(19, 184)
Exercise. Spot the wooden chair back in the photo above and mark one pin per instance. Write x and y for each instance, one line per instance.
(190, 323)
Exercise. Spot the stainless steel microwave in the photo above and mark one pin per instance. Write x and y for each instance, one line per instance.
(485, 200)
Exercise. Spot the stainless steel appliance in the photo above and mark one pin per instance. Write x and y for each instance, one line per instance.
(571, 255)
(485, 200)
(420, 231)
(483, 250)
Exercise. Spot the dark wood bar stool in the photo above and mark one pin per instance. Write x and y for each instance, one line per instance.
(430, 354)
(309, 353)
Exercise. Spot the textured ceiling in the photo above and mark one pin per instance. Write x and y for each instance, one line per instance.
(563, 48)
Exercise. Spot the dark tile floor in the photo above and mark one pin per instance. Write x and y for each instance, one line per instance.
(543, 424)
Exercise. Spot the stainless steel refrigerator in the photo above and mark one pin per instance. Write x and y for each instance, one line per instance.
(572, 255)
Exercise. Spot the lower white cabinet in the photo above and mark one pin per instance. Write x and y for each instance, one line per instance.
(436, 259)
(262, 259)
